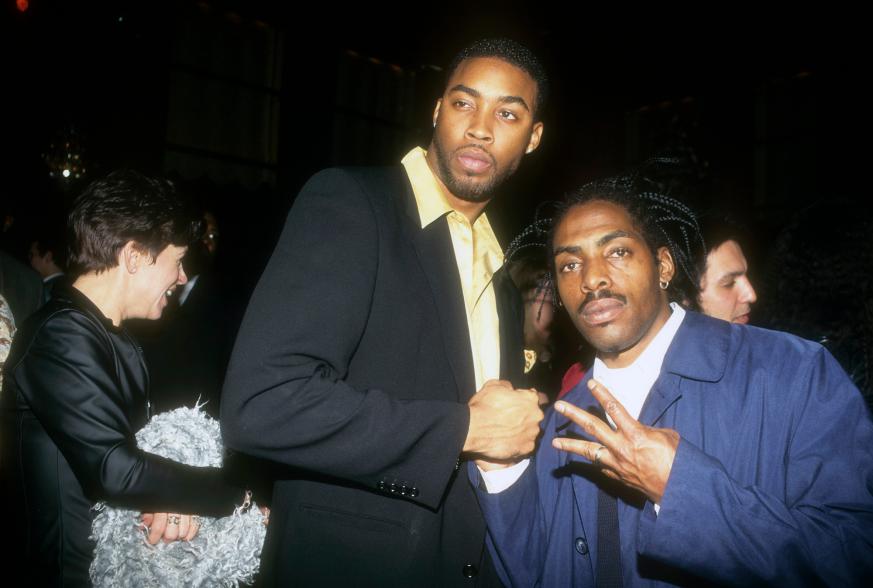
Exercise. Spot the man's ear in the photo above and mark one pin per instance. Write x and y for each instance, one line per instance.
(536, 134)
(436, 111)
(666, 267)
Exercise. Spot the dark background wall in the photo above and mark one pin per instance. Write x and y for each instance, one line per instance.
(241, 101)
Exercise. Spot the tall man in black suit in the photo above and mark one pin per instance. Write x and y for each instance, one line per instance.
(381, 313)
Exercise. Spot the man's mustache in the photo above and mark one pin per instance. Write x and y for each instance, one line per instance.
(600, 295)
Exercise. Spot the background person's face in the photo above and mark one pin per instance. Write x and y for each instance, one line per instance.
(539, 312)
(607, 278)
(42, 263)
(725, 290)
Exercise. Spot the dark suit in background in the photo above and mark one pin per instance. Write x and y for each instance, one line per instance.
(20, 286)
(353, 365)
(187, 349)
(56, 281)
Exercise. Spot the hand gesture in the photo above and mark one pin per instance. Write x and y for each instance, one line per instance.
(636, 455)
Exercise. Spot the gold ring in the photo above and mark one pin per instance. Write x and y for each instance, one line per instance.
(596, 459)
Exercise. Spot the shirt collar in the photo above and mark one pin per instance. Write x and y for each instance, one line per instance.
(430, 199)
(185, 290)
(648, 364)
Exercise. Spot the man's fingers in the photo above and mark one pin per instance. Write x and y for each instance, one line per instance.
(156, 529)
(589, 423)
(611, 474)
(596, 453)
(623, 421)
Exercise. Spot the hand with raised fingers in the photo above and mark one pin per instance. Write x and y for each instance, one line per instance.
(636, 455)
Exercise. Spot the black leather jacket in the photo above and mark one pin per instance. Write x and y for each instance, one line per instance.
(76, 392)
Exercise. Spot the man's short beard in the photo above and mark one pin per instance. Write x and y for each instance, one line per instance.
(468, 190)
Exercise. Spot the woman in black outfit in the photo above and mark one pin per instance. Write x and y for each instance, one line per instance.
(76, 387)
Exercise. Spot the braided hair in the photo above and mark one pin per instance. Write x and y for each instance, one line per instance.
(534, 241)
(662, 220)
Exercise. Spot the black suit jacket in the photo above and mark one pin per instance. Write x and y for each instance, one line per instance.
(353, 366)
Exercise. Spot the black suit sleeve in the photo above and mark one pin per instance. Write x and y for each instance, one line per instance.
(68, 380)
(285, 396)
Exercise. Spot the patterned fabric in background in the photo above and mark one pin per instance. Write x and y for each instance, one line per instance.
(7, 330)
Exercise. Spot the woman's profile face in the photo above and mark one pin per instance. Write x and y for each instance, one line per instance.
(153, 280)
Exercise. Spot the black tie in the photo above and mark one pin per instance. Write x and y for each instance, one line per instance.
(607, 572)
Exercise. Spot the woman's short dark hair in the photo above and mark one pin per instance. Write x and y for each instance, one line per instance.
(127, 206)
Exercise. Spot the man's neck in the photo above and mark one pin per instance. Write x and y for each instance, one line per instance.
(626, 357)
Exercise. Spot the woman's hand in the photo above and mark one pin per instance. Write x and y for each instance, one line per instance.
(170, 526)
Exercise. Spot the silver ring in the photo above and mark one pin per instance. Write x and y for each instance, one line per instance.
(173, 520)
(596, 460)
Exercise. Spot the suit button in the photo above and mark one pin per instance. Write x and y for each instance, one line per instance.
(392, 488)
(469, 571)
(381, 485)
(581, 546)
(413, 491)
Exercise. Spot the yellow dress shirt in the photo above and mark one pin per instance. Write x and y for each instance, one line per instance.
(477, 254)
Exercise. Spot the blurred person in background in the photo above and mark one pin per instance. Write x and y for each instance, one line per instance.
(726, 291)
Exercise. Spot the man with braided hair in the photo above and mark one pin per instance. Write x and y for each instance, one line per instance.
(719, 453)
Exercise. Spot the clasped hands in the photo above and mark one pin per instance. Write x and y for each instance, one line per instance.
(504, 424)
(636, 455)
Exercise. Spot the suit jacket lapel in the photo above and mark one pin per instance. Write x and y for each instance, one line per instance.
(665, 391)
(433, 244)
(436, 256)
(698, 352)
